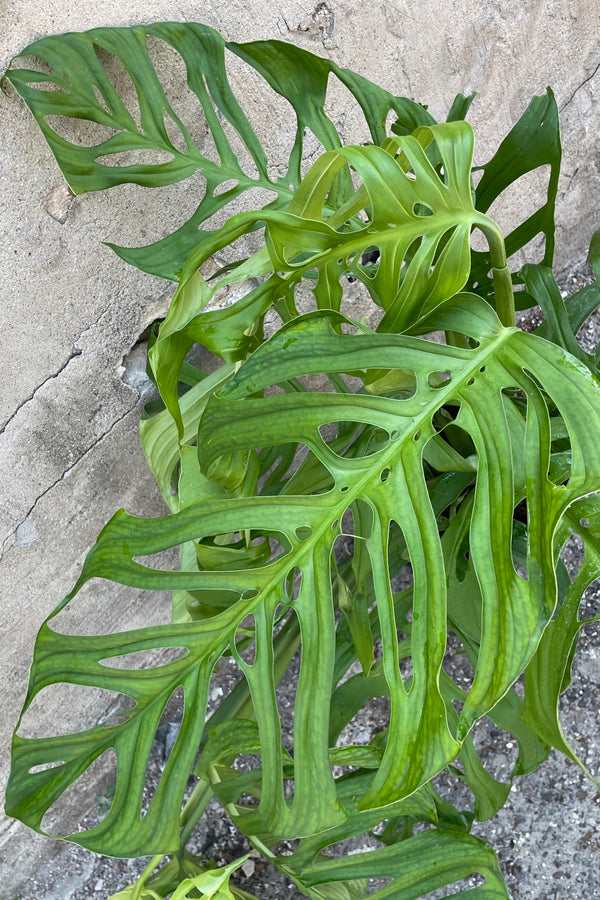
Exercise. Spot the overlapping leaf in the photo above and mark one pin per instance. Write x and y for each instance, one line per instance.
(391, 481)
(431, 460)
(78, 87)
(417, 219)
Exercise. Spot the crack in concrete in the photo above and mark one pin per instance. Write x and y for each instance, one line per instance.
(74, 354)
(69, 470)
(56, 374)
(577, 89)
(94, 324)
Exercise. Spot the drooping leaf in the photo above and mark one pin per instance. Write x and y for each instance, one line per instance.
(549, 672)
(78, 87)
(213, 883)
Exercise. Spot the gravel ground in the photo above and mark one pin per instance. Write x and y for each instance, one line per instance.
(547, 836)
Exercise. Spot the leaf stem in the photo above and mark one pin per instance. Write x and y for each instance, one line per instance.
(141, 882)
(455, 339)
(505, 301)
(193, 809)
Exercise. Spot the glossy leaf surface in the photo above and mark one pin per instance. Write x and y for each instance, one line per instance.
(392, 483)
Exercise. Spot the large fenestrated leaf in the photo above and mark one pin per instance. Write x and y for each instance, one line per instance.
(391, 482)
(417, 219)
(78, 87)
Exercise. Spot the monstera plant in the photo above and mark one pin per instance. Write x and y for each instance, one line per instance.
(342, 493)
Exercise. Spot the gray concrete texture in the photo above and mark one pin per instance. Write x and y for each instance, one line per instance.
(72, 390)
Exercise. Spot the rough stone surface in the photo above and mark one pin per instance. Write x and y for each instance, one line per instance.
(72, 311)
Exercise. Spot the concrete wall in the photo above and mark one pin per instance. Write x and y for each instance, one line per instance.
(72, 311)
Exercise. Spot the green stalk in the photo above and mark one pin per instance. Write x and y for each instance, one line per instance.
(238, 705)
(505, 300)
(192, 811)
(456, 339)
(141, 882)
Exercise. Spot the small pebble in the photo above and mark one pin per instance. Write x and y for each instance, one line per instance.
(248, 868)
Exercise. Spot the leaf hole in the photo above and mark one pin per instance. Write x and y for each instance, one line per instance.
(229, 185)
(245, 640)
(262, 106)
(329, 431)
(64, 816)
(100, 99)
(285, 696)
(361, 722)
(519, 540)
(82, 133)
(124, 158)
(457, 664)
(437, 380)
(101, 612)
(572, 555)
(478, 242)
(145, 659)
(384, 475)
(463, 556)
(61, 708)
(45, 767)
(467, 885)
(422, 209)
(163, 561)
(120, 84)
(183, 102)
(167, 730)
(175, 135)
(293, 583)
(589, 606)
(303, 532)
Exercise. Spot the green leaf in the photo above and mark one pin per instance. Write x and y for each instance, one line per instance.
(548, 673)
(161, 447)
(542, 286)
(213, 883)
(391, 481)
(417, 866)
(419, 221)
(78, 87)
(533, 141)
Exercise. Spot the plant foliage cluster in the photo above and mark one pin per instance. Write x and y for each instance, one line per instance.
(421, 488)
